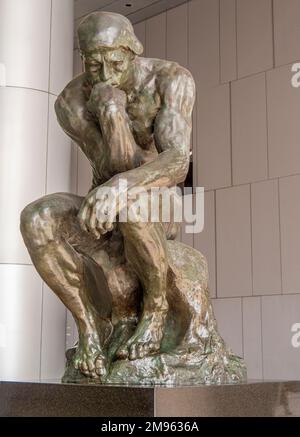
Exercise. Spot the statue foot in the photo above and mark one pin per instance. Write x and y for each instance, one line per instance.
(146, 339)
(89, 358)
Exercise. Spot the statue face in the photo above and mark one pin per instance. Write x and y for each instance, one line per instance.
(108, 66)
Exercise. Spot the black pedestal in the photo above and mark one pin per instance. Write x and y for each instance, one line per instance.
(67, 400)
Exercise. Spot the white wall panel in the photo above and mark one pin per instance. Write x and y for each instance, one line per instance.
(252, 336)
(289, 189)
(283, 122)
(61, 61)
(156, 37)
(254, 36)
(25, 42)
(228, 313)
(205, 241)
(140, 31)
(280, 357)
(83, 7)
(286, 31)
(20, 322)
(213, 163)
(233, 242)
(249, 130)
(204, 44)
(23, 140)
(265, 238)
(228, 40)
(177, 42)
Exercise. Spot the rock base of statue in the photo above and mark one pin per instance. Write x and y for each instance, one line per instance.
(192, 350)
(189, 367)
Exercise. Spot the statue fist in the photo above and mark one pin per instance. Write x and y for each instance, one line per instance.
(103, 95)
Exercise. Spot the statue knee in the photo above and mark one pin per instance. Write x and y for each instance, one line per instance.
(37, 224)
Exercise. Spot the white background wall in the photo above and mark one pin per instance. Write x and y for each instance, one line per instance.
(247, 156)
(36, 40)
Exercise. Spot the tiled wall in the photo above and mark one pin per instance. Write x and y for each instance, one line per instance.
(246, 147)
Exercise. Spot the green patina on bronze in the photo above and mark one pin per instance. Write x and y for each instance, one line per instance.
(140, 299)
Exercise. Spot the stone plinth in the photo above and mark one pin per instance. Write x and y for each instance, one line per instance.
(50, 400)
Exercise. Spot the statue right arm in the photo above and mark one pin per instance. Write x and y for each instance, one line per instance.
(77, 123)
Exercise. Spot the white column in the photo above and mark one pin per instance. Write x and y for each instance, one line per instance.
(36, 59)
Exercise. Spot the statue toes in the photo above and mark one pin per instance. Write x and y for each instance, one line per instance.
(91, 365)
(142, 350)
(154, 347)
(133, 354)
(83, 367)
(100, 367)
(122, 353)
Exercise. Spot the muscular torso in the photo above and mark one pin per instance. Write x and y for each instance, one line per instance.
(143, 104)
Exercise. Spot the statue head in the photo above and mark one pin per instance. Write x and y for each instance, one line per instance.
(107, 45)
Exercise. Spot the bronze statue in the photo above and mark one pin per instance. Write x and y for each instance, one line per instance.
(140, 298)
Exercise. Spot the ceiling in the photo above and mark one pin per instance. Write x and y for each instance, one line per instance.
(135, 10)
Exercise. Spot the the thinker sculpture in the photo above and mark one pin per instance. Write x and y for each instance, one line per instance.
(140, 299)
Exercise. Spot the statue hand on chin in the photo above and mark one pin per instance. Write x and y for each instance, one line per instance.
(103, 95)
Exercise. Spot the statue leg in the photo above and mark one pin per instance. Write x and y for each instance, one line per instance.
(146, 252)
(47, 225)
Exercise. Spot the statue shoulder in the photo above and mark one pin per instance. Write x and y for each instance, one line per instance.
(70, 104)
(167, 74)
(71, 100)
(73, 91)
(175, 80)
